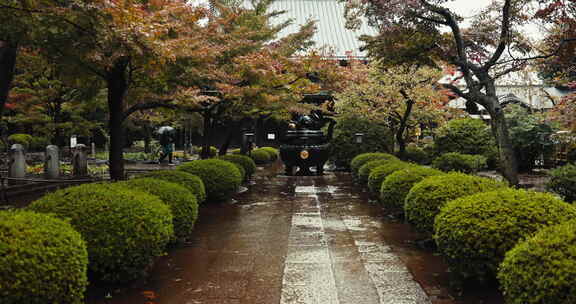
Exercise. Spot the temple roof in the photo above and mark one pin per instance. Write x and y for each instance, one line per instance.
(330, 23)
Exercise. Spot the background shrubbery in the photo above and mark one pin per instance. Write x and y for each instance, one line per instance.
(417, 155)
(563, 181)
(344, 147)
(455, 161)
(466, 136)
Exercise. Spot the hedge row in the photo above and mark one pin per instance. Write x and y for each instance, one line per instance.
(264, 155)
(485, 230)
(108, 232)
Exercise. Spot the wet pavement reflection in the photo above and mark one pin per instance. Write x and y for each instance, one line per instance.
(296, 240)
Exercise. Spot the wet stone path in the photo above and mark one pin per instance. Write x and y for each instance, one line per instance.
(288, 240)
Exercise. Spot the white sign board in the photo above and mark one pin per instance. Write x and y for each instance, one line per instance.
(73, 141)
(271, 136)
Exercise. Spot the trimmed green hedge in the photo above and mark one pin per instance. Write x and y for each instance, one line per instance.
(473, 233)
(274, 153)
(358, 161)
(260, 156)
(221, 178)
(181, 201)
(246, 162)
(417, 155)
(563, 181)
(125, 230)
(379, 174)
(42, 260)
(425, 199)
(366, 169)
(191, 182)
(455, 161)
(542, 269)
(396, 186)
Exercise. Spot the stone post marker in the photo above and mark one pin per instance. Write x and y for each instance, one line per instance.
(80, 161)
(17, 161)
(51, 162)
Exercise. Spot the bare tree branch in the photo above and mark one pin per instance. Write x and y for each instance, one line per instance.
(503, 36)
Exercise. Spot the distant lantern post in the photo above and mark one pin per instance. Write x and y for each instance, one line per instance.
(358, 138)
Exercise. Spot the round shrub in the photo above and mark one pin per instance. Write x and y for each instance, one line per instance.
(343, 146)
(221, 178)
(260, 156)
(455, 161)
(246, 162)
(212, 151)
(396, 186)
(124, 229)
(366, 169)
(473, 233)
(42, 260)
(425, 199)
(241, 169)
(359, 160)
(191, 182)
(378, 174)
(563, 181)
(181, 201)
(274, 153)
(24, 139)
(542, 269)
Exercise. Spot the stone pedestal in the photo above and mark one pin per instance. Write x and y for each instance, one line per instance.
(80, 160)
(17, 167)
(51, 162)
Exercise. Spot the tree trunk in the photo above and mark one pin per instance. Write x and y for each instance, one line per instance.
(402, 129)
(228, 140)
(508, 162)
(258, 131)
(8, 53)
(206, 136)
(117, 86)
(147, 139)
(58, 139)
